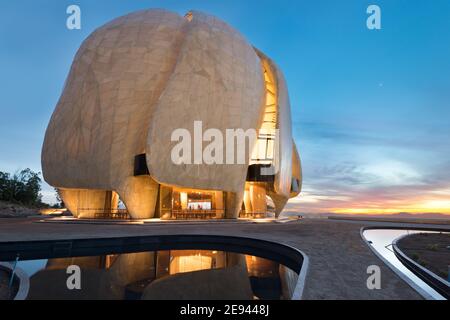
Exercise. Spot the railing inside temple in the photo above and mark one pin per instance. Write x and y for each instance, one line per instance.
(253, 215)
(120, 214)
(197, 214)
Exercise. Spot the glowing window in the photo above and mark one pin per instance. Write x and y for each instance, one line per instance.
(264, 149)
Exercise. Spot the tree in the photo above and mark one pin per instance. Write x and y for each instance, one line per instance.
(59, 200)
(23, 187)
(4, 186)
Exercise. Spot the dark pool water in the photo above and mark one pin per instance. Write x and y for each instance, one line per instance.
(154, 275)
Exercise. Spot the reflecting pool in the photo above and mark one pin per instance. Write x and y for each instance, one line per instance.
(156, 275)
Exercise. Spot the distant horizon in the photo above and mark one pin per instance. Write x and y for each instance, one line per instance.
(427, 215)
(369, 107)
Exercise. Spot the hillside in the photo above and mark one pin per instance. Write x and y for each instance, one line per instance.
(13, 210)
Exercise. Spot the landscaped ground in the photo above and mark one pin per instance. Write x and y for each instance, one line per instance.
(429, 250)
(11, 210)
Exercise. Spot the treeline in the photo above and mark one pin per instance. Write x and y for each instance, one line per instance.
(23, 187)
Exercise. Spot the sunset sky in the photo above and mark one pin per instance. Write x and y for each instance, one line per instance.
(371, 109)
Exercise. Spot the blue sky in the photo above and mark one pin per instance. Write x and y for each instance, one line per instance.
(371, 108)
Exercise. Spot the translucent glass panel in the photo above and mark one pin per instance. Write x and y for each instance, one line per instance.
(264, 149)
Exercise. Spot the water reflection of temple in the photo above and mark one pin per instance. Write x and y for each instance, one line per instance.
(175, 274)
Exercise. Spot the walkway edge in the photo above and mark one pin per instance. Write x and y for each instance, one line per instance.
(411, 283)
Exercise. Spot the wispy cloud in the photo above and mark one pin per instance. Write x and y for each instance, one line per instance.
(356, 171)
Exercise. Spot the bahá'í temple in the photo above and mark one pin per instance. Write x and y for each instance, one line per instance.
(141, 77)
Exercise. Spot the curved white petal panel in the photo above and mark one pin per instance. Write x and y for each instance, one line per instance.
(218, 82)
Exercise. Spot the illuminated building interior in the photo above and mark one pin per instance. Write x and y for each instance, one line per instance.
(255, 196)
